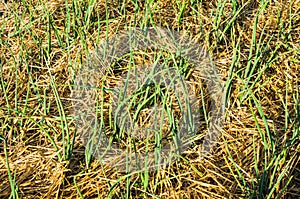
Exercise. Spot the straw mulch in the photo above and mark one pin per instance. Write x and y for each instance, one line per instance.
(29, 111)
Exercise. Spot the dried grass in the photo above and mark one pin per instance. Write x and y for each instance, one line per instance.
(29, 111)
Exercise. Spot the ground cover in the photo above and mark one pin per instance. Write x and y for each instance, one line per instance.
(255, 46)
